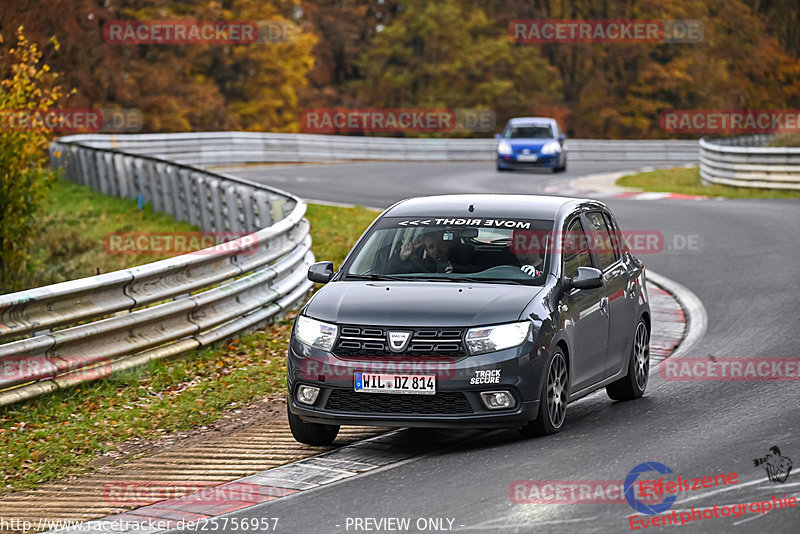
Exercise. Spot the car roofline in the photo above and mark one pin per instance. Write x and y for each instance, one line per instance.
(567, 203)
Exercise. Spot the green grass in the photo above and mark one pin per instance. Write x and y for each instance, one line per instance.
(75, 224)
(686, 181)
(335, 230)
(786, 140)
(61, 434)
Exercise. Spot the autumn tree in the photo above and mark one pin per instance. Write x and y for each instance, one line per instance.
(344, 28)
(450, 54)
(177, 87)
(27, 86)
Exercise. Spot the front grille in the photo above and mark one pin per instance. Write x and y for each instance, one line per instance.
(442, 403)
(372, 341)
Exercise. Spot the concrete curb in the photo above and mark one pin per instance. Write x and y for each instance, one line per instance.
(694, 311)
(603, 185)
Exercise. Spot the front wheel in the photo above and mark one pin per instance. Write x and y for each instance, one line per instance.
(311, 433)
(632, 385)
(553, 399)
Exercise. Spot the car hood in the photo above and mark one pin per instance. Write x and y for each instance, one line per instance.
(420, 303)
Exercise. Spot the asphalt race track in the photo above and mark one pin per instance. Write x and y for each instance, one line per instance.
(745, 270)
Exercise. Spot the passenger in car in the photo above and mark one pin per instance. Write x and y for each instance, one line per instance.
(527, 250)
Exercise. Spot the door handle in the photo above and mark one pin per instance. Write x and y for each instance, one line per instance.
(604, 306)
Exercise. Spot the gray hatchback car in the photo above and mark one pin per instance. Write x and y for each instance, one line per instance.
(471, 310)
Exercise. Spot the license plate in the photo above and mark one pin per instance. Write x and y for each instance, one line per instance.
(398, 384)
(527, 157)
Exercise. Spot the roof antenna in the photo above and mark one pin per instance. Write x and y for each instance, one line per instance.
(471, 208)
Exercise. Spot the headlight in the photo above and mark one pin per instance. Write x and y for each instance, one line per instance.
(315, 333)
(504, 148)
(494, 338)
(551, 148)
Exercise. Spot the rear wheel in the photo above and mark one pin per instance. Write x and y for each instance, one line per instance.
(311, 433)
(553, 399)
(632, 385)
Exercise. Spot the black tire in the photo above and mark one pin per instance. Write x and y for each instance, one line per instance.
(632, 385)
(502, 169)
(552, 400)
(311, 433)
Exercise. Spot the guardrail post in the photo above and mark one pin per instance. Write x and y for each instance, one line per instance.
(264, 213)
(277, 208)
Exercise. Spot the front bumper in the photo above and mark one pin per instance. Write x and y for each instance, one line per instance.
(511, 161)
(457, 402)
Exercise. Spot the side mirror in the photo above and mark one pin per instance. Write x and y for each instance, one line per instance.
(498, 136)
(587, 278)
(321, 272)
(562, 138)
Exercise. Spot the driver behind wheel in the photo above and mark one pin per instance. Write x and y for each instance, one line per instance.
(433, 252)
(528, 250)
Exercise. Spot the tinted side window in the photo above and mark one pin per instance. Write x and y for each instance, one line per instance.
(616, 236)
(576, 249)
(600, 239)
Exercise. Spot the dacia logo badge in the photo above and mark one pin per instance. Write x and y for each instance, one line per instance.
(526, 150)
(398, 341)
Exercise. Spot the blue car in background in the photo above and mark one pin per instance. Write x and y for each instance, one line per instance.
(531, 142)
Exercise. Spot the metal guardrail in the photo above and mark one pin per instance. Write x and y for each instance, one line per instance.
(746, 162)
(126, 318)
(223, 148)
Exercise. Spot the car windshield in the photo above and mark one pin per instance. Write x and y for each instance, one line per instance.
(529, 131)
(480, 249)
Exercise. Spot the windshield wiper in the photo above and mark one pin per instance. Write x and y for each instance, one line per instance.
(486, 280)
(383, 277)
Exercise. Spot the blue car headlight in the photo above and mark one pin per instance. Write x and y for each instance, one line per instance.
(493, 338)
(315, 333)
(551, 147)
(504, 148)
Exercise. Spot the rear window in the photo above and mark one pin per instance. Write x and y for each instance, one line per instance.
(499, 250)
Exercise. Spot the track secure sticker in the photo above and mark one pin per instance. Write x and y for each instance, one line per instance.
(490, 376)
